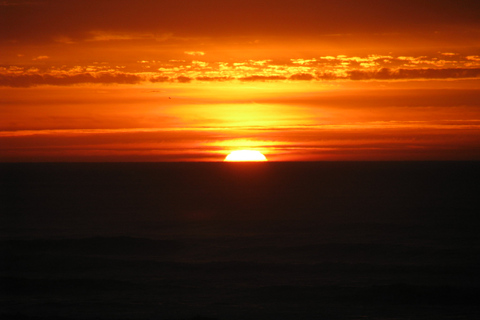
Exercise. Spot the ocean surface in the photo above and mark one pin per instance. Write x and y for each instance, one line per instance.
(304, 240)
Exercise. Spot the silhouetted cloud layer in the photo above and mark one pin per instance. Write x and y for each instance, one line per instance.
(262, 78)
(430, 73)
(28, 80)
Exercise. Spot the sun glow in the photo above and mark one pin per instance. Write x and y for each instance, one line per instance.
(245, 155)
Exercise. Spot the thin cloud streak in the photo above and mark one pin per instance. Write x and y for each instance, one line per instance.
(416, 141)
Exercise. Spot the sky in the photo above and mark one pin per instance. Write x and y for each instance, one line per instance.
(304, 80)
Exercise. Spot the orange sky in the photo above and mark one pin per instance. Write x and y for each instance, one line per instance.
(193, 80)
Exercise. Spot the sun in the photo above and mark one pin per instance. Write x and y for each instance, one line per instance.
(245, 155)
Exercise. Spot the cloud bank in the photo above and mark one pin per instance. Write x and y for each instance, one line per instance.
(405, 74)
(32, 79)
(29, 80)
(42, 71)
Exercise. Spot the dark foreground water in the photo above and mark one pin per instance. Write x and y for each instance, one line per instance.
(352, 240)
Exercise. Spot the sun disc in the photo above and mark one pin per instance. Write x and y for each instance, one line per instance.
(245, 155)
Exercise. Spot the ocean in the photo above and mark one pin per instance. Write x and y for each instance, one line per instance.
(275, 240)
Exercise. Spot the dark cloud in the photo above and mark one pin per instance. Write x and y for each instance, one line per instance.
(302, 76)
(65, 79)
(262, 78)
(326, 76)
(29, 80)
(213, 78)
(76, 19)
(427, 73)
(159, 79)
(183, 79)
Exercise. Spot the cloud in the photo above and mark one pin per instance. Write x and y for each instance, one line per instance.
(195, 53)
(159, 79)
(199, 64)
(327, 76)
(40, 58)
(213, 78)
(30, 80)
(341, 67)
(104, 36)
(262, 78)
(473, 58)
(426, 73)
(126, 36)
(303, 61)
(183, 79)
(234, 22)
(302, 76)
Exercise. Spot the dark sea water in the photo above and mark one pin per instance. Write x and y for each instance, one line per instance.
(317, 240)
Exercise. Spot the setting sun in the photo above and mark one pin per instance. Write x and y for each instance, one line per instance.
(245, 155)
